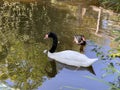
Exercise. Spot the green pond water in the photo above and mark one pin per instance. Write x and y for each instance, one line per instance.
(23, 64)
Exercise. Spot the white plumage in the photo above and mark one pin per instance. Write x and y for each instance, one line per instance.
(73, 58)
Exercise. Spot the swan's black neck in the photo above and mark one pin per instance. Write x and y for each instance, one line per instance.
(55, 41)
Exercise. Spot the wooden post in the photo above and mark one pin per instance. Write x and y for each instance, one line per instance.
(98, 21)
(83, 12)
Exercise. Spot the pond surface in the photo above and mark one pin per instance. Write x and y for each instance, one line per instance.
(69, 78)
(24, 66)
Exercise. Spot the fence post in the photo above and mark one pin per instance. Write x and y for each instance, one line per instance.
(98, 21)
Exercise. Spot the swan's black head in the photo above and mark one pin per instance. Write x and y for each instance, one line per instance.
(55, 40)
(50, 35)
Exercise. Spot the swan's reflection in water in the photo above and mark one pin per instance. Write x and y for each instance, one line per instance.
(53, 67)
(61, 66)
(52, 71)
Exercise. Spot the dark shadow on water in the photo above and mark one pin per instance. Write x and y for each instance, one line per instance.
(53, 71)
(90, 69)
(61, 66)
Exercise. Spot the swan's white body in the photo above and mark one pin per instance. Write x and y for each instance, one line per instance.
(73, 58)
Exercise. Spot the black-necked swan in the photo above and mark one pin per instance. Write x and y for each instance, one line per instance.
(68, 57)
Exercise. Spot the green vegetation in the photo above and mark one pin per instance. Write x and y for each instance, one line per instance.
(111, 4)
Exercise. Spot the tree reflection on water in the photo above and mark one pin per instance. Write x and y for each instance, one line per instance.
(22, 27)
